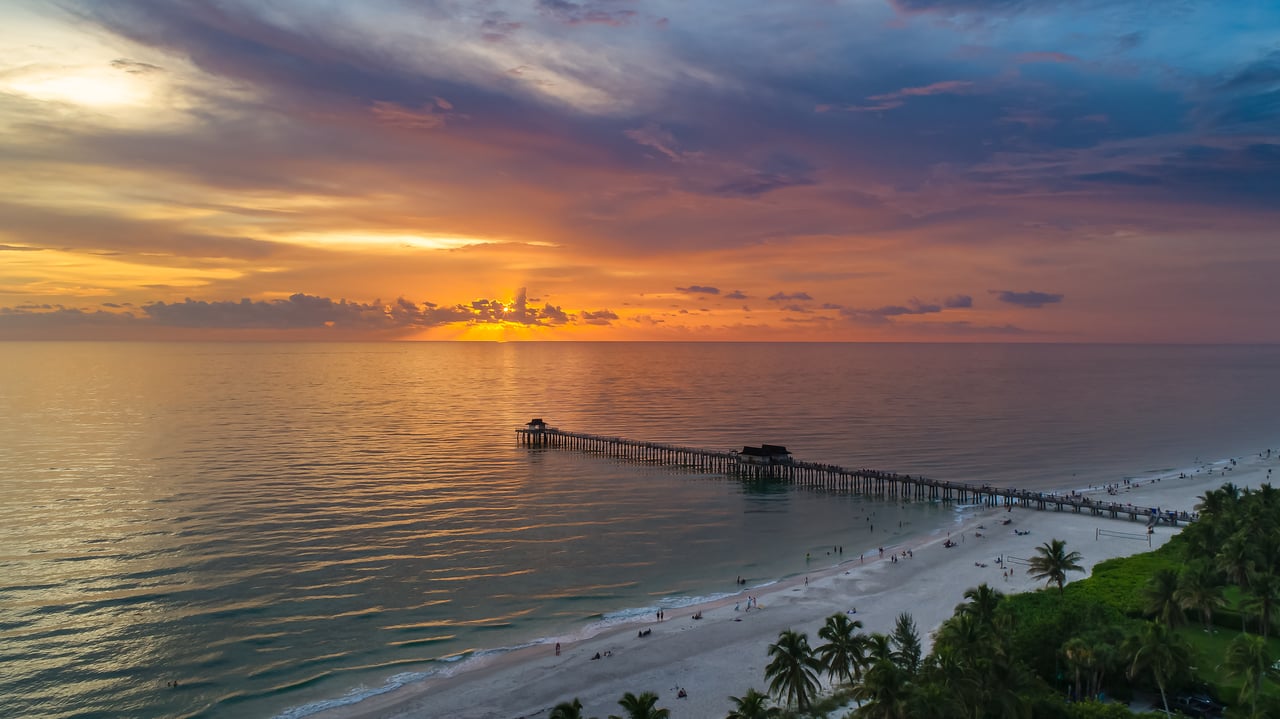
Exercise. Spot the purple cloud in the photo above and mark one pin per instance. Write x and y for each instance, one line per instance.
(759, 183)
(885, 313)
(897, 98)
(1031, 299)
(571, 13)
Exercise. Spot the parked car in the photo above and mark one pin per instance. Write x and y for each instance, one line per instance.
(1197, 706)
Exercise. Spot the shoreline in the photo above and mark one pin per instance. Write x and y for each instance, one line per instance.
(724, 652)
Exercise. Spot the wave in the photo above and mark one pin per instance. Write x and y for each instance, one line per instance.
(464, 661)
(357, 694)
(452, 664)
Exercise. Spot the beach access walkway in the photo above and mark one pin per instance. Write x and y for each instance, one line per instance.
(773, 462)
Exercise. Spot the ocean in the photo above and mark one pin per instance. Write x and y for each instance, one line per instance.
(280, 528)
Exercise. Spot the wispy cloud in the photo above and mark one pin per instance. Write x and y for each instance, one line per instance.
(897, 98)
(605, 152)
(572, 13)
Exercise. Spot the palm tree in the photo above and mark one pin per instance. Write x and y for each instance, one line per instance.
(963, 634)
(1104, 656)
(1268, 496)
(567, 710)
(1080, 658)
(752, 705)
(793, 673)
(1008, 691)
(845, 648)
(1158, 651)
(1161, 595)
(1247, 659)
(945, 697)
(1267, 545)
(1263, 598)
(906, 642)
(1200, 589)
(641, 707)
(879, 646)
(1219, 501)
(962, 657)
(884, 691)
(1236, 558)
(982, 603)
(1053, 561)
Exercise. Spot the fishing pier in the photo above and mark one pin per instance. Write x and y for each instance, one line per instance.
(773, 462)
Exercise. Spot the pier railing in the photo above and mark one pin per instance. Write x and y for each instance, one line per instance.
(888, 485)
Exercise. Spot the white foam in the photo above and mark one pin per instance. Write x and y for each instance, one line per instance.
(354, 696)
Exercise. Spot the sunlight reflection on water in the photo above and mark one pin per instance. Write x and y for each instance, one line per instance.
(272, 524)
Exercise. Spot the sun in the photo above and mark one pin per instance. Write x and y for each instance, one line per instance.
(91, 87)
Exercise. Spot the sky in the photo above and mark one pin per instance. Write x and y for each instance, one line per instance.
(755, 170)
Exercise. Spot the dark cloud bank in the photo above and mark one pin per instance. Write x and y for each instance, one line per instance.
(299, 312)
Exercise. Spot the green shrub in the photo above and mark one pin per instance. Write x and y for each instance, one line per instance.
(1043, 621)
(1119, 582)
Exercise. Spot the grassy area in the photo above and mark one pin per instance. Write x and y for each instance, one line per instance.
(1210, 650)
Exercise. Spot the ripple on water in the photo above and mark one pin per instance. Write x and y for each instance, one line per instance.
(276, 524)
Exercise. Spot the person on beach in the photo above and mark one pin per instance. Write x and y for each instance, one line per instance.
(557, 649)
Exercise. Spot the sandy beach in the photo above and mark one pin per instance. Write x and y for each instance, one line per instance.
(724, 653)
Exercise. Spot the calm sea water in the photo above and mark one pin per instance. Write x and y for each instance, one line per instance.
(282, 527)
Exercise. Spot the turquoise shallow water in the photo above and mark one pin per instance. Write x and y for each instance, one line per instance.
(280, 527)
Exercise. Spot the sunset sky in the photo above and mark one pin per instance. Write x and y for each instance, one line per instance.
(879, 170)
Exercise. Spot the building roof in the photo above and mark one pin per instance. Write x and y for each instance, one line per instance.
(766, 450)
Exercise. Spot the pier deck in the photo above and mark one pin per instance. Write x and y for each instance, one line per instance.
(776, 464)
